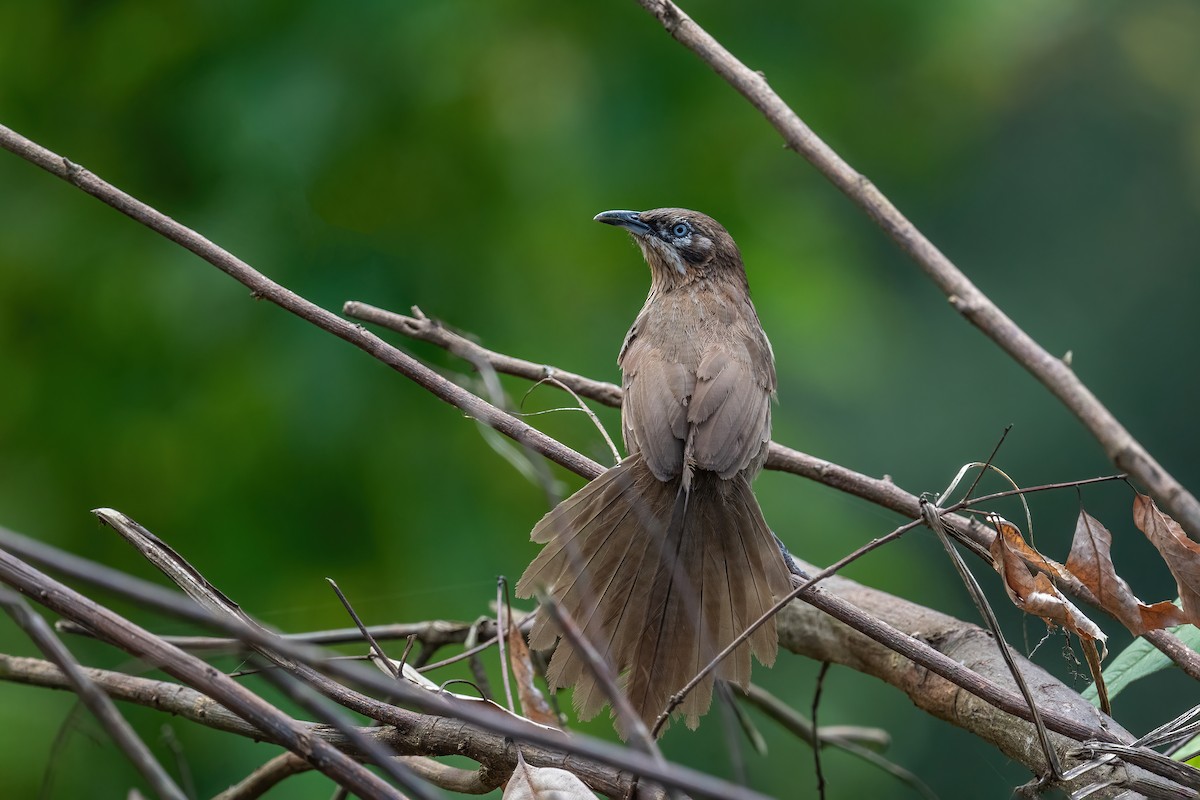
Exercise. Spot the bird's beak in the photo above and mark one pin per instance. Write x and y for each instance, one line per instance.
(629, 220)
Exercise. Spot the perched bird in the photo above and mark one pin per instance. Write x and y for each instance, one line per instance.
(665, 558)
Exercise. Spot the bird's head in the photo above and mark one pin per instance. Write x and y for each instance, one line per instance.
(680, 245)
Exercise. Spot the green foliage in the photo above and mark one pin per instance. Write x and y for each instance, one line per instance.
(451, 155)
(1140, 660)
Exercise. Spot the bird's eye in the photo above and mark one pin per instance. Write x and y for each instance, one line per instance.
(681, 229)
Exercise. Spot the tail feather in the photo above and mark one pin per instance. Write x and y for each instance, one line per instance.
(660, 580)
(731, 620)
(596, 620)
(758, 560)
(565, 529)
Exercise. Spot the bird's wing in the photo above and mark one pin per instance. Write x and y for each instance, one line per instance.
(654, 412)
(730, 409)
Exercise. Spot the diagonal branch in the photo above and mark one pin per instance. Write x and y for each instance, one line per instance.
(99, 703)
(425, 329)
(427, 735)
(805, 630)
(1119, 445)
(448, 718)
(189, 669)
(262, 286)
(146, 594)
(282, 767)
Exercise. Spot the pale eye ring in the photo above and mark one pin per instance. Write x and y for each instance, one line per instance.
(681, 230)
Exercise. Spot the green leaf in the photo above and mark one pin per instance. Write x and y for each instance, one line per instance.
(1188, 749)
(1139, 660)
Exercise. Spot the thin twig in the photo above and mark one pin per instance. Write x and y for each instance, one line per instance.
(374, 751)
(453, 779)
(412, 637)
(172, 743)
(503, 620)
(553, 381)
(970, 502)
(786, 716)
(431, 632)
(146, 594)
(429, 330)
(933, 520)
(816, 705)
(735, 723)
(432, 735)
(991, 457)
(388, 664)
(265, 777)
(478, 669)
(191, 670)
(95, 699)
(463, 656)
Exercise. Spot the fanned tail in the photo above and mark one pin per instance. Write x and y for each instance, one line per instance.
(660, 582)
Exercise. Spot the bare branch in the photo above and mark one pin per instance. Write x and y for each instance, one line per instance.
(454, 779)
(96, 700)
(191, 670)
(362, 629)
(464, 721)
(265, 778)
(270, 774)
(805, 630)
(144, 593)
(170, 698)
(265, 288)
(372, 750)
(804, 730)
(435, 633)
(424, 735)
(424, 329)
(964, 296)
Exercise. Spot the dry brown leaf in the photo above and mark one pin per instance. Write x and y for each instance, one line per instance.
(1016, 542)
(544, 783)
(1033, 592)
(1091, 562)
(533, 702)
(1181, 553)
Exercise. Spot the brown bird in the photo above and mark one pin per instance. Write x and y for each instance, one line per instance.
(665, 558)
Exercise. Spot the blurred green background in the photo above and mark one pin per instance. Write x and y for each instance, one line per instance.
(451, 155)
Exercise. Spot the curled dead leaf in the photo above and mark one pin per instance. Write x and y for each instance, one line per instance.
(1181, 553)
(1091, 562)
(533, 702)
(1016, 542)
(1033, 592)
